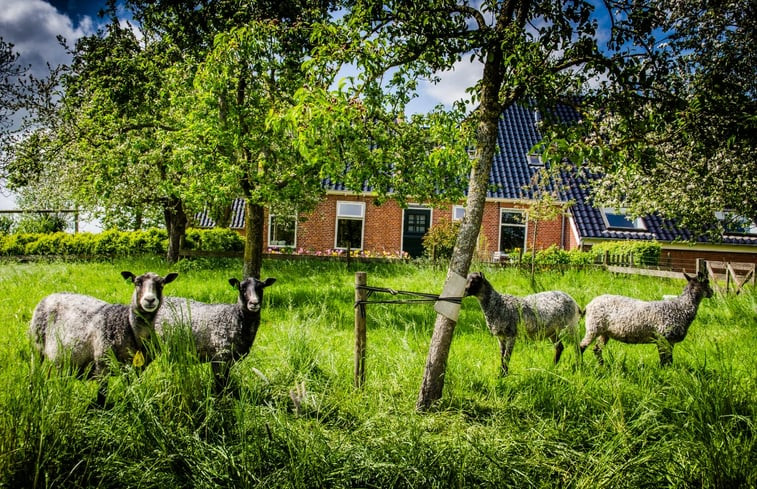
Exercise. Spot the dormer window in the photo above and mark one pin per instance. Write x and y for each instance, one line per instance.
(736, 224)
(619, 219)
(534, 159)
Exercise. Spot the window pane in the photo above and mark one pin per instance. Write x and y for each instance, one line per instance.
(282, 231)
(349, 209)
(734, 223)
(512, 218)
(416, 223)
(618, 219)
(349, 233)
(512, 237)
(458, 212)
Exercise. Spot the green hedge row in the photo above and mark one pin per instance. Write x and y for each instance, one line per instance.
(646, 253)
(116, 243)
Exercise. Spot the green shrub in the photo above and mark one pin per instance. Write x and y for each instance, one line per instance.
(439, 241)
(42, 223)
(151, 240)
(6, 225)
(219, 239)
(45, 244)
(112, 242)
(116, 243)
(643, 252)
(15, 244)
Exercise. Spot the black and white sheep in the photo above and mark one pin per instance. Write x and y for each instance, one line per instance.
(223, 333)
(86, 329)
(629, 320)
(544, 315)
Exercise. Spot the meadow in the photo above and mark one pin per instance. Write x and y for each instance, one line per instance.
(297, 421)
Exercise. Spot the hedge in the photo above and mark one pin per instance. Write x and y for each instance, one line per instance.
(115, 243)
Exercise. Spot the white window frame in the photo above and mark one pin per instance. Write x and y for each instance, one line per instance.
(524, 225)
(637, 224)
(534, 160)
(272, 244)
(458, 209)
(723, 215)
(341, 206)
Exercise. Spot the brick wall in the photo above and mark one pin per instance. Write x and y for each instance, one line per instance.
(383, 226)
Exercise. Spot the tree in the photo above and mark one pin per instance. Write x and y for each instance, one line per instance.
(10, 72)
(251, 72)
(242, 62)
(531, 52)
(682, 141)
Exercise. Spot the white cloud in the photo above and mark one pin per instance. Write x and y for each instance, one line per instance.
(32, 26)
(451, 86)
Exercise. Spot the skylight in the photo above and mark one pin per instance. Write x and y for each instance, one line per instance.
(619, 219)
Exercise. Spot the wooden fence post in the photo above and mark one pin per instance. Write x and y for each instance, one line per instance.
(360, 336)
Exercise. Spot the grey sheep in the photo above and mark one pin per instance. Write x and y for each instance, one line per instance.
(223, 333)
(87, 329)
(546, 314)
(664, 322)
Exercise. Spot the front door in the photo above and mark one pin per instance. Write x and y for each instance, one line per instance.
(416, 223)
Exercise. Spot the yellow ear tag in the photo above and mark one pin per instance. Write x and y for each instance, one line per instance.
(139, 359)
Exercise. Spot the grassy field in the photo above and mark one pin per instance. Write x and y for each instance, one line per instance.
(630, 424)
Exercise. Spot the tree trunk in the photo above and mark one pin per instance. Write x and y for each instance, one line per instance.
(253, 243)
(176, 225)
(465, 246)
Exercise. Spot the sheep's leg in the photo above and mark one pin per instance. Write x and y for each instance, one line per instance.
(221, 375)
(601, 342)
(588, 338)
(506, 349)
(557, 342)
(100, 374)
(665, 349)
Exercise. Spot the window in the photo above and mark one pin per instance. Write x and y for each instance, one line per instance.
(458, 212)
(736, 224)
(534, 159)
(512, 230)
(282, 231)
(349, 225)
(619, 219)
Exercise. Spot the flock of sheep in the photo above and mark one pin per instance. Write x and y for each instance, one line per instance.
(85, 330)
(551, 314)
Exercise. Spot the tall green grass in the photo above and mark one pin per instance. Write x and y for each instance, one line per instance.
(297, 421)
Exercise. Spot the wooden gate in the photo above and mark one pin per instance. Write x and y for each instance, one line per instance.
(725, 275)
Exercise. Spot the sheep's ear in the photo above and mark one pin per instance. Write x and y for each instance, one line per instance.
(128, 275)
(701, 276)
(269, 281)
(170, 277)
(234, 282)
(687, 276)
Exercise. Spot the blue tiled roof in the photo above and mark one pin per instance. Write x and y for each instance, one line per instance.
(511, 176)
(203, 219)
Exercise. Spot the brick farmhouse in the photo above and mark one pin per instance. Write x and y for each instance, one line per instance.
(345, 219)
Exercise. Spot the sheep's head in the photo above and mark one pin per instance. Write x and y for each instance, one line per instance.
(148, 289)
(474, 284)
(251, 292)
(699, 285)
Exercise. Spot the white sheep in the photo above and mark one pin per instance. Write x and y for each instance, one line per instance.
(223, 333)
(546, 314)
(629, 320)
(86, 329)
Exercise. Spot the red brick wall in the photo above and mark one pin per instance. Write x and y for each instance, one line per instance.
(383, 226)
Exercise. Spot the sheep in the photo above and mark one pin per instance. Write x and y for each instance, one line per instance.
(86, 329)
(629, 320)
(223, 333)
(546, 314)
